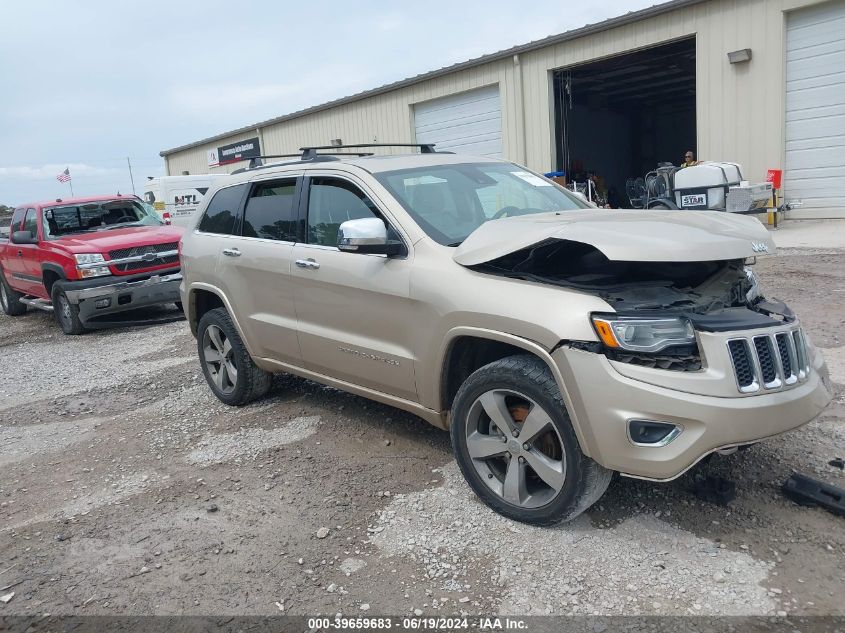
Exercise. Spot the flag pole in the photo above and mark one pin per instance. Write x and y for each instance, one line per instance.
(131, 179)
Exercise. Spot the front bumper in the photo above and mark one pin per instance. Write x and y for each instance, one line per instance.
(603, 400)
(101, 297)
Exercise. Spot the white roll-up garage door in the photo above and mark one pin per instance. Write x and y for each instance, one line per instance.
(465, 123)
(815, 108)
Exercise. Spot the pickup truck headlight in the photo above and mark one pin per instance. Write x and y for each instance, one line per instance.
(643, 334)
(86, 265)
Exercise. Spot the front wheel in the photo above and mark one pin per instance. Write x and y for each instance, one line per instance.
(516, 447)
(228, 368)
(67, 313)
(10, 300)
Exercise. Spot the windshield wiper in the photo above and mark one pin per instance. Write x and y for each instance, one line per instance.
(121, 226)
(454, 244)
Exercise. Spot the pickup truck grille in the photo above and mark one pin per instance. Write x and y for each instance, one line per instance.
(136, 251)
(769, 361)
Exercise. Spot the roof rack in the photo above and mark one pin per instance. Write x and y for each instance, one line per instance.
(311, 151)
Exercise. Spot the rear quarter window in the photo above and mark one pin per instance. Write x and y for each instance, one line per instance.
(222, 212)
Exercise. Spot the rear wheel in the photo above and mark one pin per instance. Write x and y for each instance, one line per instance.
(67, 313)
(10, 300)
(516, 447)
(228, 368)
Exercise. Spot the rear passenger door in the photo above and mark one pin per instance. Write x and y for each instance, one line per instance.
(354, 310)
(255, 263)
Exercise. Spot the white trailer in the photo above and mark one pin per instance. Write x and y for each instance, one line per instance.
(176, 198)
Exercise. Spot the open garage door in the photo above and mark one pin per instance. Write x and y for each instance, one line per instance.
(465, 123)
(815, 110)
(620, 117)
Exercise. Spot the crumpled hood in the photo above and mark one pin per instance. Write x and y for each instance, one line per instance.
(629, 235)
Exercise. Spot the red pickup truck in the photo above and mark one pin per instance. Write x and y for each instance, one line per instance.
(86, 259)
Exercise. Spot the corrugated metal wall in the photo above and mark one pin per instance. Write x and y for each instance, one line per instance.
(740, 108)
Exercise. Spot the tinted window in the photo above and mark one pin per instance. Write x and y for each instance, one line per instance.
(222, 211)
(270, 212)
(17, 218)
(30, 222)
(332, 201)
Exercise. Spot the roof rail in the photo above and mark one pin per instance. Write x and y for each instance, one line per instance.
(258, 161)
(311, 151)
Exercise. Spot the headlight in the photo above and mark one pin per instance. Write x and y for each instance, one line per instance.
(86, 265)
(754, 290)
(643, 335)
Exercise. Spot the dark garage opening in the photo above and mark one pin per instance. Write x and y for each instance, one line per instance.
(619, 117)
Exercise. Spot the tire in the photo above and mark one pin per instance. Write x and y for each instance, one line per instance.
(67, 314)
(179, 306)
(222, 352)
(523, 387)
(10, 300)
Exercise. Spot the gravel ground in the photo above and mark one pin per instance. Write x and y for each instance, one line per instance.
(127, 489)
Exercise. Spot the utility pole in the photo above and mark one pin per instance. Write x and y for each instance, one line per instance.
(131, 179)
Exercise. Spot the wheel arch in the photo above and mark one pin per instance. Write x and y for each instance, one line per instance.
(204, 297)
(467, 349)
(50, 274)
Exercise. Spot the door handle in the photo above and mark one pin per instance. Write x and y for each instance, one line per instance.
(307, 263)
(232, 252)
(20, 253)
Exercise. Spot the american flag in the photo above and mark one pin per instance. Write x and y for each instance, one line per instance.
(64, 176)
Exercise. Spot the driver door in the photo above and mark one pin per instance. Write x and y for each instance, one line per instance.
(353, 310)
(28, 277)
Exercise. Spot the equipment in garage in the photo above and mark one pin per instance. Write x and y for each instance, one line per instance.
(707, 186)
(815, 106)
(622, 115)
(466, 123)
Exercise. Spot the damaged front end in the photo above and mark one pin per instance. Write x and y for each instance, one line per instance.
(657, 306)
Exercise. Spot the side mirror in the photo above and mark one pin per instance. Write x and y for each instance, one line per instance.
(24, 237)
(368, 236)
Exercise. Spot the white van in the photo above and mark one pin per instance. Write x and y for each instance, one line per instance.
(176, 198)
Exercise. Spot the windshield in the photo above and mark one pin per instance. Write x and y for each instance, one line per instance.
(450, 201)
(96, 216)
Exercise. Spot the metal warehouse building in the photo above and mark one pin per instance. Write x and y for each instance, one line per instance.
(759, 82)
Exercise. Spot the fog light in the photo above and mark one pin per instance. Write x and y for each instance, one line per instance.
(102, 303)
(651, 433)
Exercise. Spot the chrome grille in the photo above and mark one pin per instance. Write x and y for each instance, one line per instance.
(769, 361)
(141, 250)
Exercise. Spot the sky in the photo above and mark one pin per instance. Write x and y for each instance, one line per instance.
(86, 85)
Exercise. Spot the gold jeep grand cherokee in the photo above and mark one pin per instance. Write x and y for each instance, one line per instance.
(556, 342)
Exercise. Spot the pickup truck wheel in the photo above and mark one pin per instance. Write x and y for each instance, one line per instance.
(516, 447)
(67, 313)
(228, 368)
(10, 300)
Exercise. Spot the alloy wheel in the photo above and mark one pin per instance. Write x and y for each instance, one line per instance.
(219, 358)
(4, 297)
(64, 308)
(515, 448)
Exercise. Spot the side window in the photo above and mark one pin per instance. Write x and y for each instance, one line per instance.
(17, 218)
(222, 211)
(331, 202)
(271, 211)
(30, 222)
